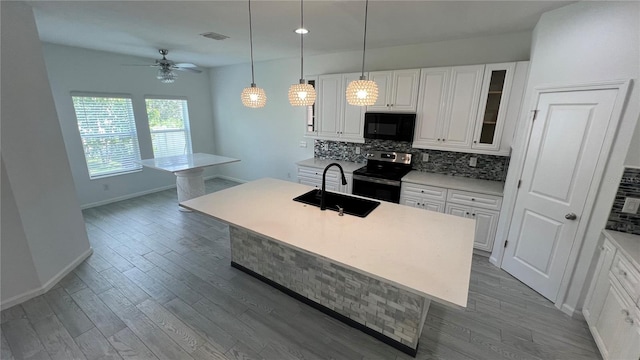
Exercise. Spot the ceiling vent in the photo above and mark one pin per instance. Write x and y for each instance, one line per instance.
(214, 36)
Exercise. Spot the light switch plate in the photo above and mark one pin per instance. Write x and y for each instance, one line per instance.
(357, 150)
(473, 161)
(631, 205)
(425, 157)
(325, 147)
(303, 144)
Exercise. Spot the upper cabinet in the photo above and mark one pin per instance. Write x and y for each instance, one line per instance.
(332, 117)
(469, 108)
(397, 90)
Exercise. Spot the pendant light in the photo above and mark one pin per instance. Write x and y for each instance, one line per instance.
(302, 94)
(363, 92)
(253, 97)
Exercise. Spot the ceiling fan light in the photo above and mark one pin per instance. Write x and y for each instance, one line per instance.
(302, 94)
(253, 97)
(166, 76)
(362, 92)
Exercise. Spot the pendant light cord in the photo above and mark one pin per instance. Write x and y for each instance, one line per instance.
(364, 46)
(253, 81)
(301, 41)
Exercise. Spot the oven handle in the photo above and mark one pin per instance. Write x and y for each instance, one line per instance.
(376, 180)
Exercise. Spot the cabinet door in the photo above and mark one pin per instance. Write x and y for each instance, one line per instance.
(433, 205)
(310, 115)
(404, 90)
(486, 226)
(329, 107)
(347, 189)
(462, 107)
(612, 323)
(432, 99)
(458, 210)
(310, 182)
(599, 284)
(352, 126)
(384, 80)
(630, 342)
(410, 201)
(494, 99)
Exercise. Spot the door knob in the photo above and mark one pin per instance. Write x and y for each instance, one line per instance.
(571, 216)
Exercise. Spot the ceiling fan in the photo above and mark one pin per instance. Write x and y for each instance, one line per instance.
(166, 68)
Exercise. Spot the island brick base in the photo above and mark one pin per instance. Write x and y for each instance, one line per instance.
(377, 305)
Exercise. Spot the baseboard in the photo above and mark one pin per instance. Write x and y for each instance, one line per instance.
(572, 312)
(19, 299)
(494, 261)
(141, 193)
(231, 178)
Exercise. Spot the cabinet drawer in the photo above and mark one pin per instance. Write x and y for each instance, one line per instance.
(317, 173)
(474, 199)
(425, 192)
(628, 275)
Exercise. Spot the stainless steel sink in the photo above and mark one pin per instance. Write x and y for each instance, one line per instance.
(333, 201)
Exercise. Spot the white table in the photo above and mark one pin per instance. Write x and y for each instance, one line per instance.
(188, 170)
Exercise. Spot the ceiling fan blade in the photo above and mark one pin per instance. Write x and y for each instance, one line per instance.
(152, 65)
(197, 71)
(185, 65)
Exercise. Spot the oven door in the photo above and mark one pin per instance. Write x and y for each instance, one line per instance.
(381, 189)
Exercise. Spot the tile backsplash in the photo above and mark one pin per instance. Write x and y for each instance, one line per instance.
(629, 187)
(489, 167)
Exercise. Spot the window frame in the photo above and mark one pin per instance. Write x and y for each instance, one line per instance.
(186, 121)
(136, 166)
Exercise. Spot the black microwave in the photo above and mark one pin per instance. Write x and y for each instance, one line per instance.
(389, 126)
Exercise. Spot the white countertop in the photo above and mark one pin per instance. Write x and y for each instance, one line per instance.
(455, 182)
(186, 162)
(347, 166)
(425, 252)
(629, 244)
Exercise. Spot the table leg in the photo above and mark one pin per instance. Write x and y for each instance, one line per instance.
(190, 184)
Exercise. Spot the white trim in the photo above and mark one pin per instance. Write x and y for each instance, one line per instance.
(575, 314)
(516, 168)
(19, 299)
(133, 195)
(224, 177)
(632, 167)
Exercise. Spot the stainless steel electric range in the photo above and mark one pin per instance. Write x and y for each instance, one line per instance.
(380, 178)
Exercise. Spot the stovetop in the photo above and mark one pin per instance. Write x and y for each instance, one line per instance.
(386, 165)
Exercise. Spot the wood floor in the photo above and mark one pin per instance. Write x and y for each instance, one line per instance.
(159, 286)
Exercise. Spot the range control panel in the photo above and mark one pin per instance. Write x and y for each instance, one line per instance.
(389, 156)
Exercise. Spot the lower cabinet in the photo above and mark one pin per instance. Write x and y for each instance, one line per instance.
(486, 223)
(485, 209)
(313, 177)
(611, 309)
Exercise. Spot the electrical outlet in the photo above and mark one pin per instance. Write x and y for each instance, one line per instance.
(357, 150)
(288, 175)
(473, 161)
(325, 147)
(303, 144)
(631, 205)
(425, 157)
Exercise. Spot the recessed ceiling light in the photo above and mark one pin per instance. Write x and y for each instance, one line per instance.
(301, 31)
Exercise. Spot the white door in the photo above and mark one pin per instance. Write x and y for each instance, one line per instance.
(462, 108)
(486, 226)
(352, 116)
(383, 79)
(404, 92)
(564, 146)
(432, 99)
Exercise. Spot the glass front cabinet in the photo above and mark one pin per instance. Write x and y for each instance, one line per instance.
(492, 111)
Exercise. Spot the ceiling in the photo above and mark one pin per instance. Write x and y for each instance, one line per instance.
(140, 28)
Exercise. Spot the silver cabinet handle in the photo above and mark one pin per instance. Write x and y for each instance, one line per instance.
(629, 320)
(601, 248)
(623, 273)
(571, 216)
(625, 312)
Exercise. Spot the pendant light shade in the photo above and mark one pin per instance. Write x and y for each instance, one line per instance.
(253, 96)
(302, 94)
(362, 92)
(166, 75)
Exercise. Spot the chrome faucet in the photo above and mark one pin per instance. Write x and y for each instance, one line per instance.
(324, 177)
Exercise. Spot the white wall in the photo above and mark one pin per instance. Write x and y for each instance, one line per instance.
(580, 43)
(36, 171)
(75, 69)
(267, 140)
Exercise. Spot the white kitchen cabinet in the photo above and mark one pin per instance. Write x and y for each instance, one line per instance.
(486, 223)
(469, 108)
(397, 90)
(313, 177)
(423, 197)
(311, 122)
(611, 306)
(335, 119)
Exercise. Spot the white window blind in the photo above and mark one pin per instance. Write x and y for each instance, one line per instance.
(108, 132)
(169, 126)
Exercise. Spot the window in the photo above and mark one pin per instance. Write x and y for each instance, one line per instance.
(169, 126)
(108, 133)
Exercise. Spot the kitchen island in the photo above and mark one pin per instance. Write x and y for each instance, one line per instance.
(378, 273)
